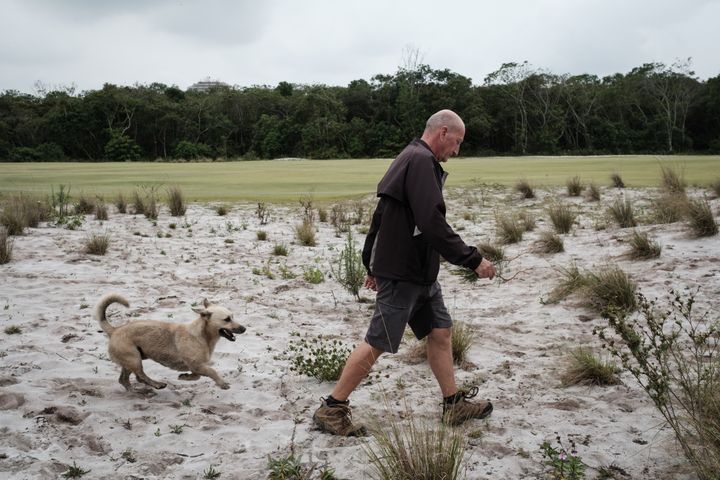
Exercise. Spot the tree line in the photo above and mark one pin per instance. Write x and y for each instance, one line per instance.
(518, 109)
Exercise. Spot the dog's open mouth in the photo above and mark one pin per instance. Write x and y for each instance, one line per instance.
(227, 334)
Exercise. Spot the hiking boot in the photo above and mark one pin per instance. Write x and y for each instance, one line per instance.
(462, 410)
(337, 420)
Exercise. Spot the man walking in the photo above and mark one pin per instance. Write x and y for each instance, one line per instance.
(402, 256)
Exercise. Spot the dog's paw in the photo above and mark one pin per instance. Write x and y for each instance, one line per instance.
(160, 385)
(224, 386)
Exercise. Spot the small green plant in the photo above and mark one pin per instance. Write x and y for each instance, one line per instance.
(584, 368)
(622, 212)
(411, 450)
(617, 180)
(60, 201)
(129, 455)
(318, 358)
(305, 233)
(6, 246)
(13, 330)
(593, 193)
(280, 250)
(349, 270)
(177, 429)
(642, 247)
(176, 201)
(525, 189)
(74, 472)
(574, 186)
(221, 210)
(265, 271)
(508, 228)
(701, 219)
(561, 463)
(549, 242)
(672, 182)
(261, 235)
(561, 216)
(97, 244)
(286, 273)
(211, 473)
(313, 275)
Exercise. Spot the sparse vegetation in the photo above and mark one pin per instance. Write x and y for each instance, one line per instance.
(313, 275)
(349, 270)
(671, 182)
(525, 189)
(562, 463)
(222, 210)
(261, 235)
(84, 205)
(571, 281)
(701, 219)
(574, 186)
(642, 247)
(462, 339)
(263, 213)
(280, 250)
(6, 246)
(549, 242)
(669, 208)
(561, 216)
(584, 368)
(101, 210)
(593, 193)
(176, 201)
(493, 253)
(75, 472)
(13, 330)
(527, 220)
(409, 450)
(673, 354)
(121, 203)
(97, 244)
(622, 212)
(318, 357)
(508, 228)
(305, 233)
(609, 290)
(211, 473)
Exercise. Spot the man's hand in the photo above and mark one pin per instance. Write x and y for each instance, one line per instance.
(371, 283)
(485, 270)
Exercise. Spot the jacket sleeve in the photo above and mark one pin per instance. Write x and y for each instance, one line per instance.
(367, 252)
(428, 207)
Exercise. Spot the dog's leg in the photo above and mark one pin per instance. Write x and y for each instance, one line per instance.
(125, 378)
(188, 376)
(140, 375)
(210, 372)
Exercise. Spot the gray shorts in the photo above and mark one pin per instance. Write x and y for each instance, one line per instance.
(403, 303)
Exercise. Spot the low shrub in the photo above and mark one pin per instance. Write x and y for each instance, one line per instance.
(701, 219)
(263, 213)
(562, 463)
(715, 187)
(609, 290)
(305, 233)
(527, 220)
(574, 186)
(622, 212)
(561, 216)
(584, 368)
(348, 269)
(571, 281)
(525, 189)
(318, 357)
(221, 210)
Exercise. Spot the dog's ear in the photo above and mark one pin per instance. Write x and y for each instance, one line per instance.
(203, 312)
(206, 303)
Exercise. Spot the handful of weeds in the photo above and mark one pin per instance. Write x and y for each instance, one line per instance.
(562, 465)
(318, 357)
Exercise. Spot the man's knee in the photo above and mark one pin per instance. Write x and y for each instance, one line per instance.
(440, 335)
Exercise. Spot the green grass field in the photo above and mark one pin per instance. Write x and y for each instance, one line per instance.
(288, 180)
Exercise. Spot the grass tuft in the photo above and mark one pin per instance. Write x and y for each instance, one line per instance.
(584, 368)
(642, 247)
(715, 187)
(97, 244)
(101, 210)
(669, 208)
(176, 202)
(524, 187)
(305, 233)
(509, 228)
(593, 193)
(702, 221)
(622, 212)
(462, 339)
(574, 186)
(561, 216)
(121, 203)
(549, 242)
(671, 181)
(280, 250)
(84, 205)
(261, 235)
(617, 180)
(6, 246)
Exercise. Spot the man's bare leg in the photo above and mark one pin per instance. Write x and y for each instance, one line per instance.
(357, 367)
(439, 354)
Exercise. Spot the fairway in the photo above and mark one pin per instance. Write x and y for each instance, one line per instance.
(287, 180)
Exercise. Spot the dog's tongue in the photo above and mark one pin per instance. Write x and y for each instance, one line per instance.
(227, 334)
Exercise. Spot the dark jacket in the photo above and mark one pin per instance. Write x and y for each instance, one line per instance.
(409, 231)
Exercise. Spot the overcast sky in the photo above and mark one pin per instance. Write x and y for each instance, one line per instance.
(86, 43)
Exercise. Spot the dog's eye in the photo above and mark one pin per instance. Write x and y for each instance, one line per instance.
(228, 319)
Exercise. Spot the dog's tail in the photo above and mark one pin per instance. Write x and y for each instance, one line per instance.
(102, 305)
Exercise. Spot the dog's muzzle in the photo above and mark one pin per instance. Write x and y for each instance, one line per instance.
(227, 333)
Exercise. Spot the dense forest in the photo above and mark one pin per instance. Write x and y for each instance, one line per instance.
(517, 110)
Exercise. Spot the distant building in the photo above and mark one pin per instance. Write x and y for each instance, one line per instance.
(207, 84)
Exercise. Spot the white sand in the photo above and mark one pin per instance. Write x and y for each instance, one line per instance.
(61, 401)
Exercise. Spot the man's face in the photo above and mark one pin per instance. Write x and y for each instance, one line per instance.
(450, 140)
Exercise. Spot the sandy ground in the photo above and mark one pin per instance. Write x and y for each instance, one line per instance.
(61, 403)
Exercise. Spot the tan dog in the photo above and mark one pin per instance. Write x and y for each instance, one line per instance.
(183, 347)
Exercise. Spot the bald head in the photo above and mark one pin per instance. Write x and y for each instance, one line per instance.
(444, 118)
(444, 132)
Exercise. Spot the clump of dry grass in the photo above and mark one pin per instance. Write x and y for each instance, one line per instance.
(608, 290)
(669, 208)
(410, 450)
(305, 233)
(97, 244)
(84, 205)
(121, 203)
(571, 281)
(671, 181)
(593, 193)
(584, 368)
(493, 253)
(261, 235)
(176, 202)
(561, 216)
(508, 228)
(13, 217)
(617, 180)
(549, 242)
(462, 339)
(138, 203)
(642, 247)
(101, 210)
(524, 187)
(622, 212)
(715, 187)
(221, 210)
(574, 186)
(527, 220)
(701, 219)
(23, 211)
(6, 246)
